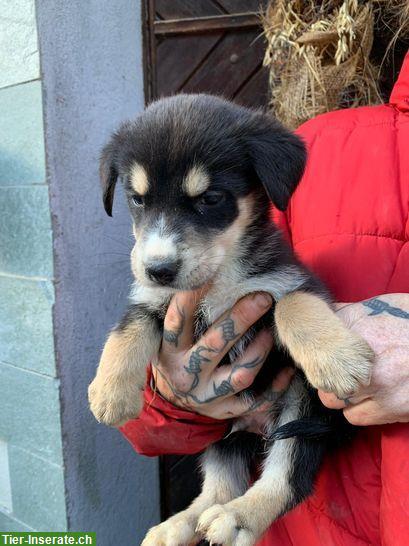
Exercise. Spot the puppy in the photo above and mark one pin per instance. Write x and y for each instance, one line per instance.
(199, 173)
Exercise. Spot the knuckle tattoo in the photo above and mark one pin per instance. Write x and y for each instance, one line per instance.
(227, 327)
(176, 323)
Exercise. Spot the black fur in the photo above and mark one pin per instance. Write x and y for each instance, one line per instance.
(251, 143)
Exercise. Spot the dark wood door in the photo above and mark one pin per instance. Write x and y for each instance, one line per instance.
(213, 46)
(205, 46)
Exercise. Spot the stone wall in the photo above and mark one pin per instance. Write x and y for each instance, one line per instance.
(64, 267)
(31, 461)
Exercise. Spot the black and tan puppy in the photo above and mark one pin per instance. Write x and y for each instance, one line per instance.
(198, 173)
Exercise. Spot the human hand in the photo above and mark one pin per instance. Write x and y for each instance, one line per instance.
(188, 375)
(384, 323)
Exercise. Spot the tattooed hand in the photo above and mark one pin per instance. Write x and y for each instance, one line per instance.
(384, 323)
(188, 375)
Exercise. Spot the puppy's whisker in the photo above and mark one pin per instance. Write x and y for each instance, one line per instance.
(109, 253)
(119, 241)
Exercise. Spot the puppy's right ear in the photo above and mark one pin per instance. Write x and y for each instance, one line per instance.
(109, 175)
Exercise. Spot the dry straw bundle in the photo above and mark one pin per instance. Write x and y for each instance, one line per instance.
(395, 14)
(318, 54)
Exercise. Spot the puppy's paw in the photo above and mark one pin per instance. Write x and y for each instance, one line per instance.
(112, 403)
(176, 531)
(341, 367)
(223, 524)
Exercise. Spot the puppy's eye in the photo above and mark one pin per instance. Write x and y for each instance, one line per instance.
(137, 200)
(211, 198)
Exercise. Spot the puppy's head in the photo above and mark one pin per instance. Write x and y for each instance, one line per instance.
(196, 170)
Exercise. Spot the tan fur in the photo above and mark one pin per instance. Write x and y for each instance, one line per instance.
(333, 358)
(241, 522)
(139, 179)
(181, 528)
(196, 181)
(115, 395)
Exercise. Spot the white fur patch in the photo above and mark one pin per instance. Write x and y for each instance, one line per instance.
(153, 297)
(230, 285)
(158, 245)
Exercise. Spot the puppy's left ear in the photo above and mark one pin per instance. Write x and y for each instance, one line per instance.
(278, 158)
(108, 175)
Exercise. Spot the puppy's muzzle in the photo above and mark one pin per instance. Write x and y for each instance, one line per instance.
(162, 272)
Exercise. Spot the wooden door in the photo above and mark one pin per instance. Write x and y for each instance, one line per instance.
(205, 46)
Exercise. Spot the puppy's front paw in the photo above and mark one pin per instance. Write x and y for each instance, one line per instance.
(177, 531)
(222, 524)
(341, 366)
(113, 403)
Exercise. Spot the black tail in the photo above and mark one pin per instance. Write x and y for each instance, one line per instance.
(314, 429)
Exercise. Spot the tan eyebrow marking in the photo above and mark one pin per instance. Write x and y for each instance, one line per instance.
(196, 181)
(139, 179)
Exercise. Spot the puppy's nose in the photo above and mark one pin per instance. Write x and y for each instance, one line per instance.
(162, 272)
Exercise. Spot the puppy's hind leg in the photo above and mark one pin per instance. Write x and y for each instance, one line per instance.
(287, 478)
(115, 395)
(225, 467)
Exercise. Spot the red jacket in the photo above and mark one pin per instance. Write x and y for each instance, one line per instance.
(348, 222)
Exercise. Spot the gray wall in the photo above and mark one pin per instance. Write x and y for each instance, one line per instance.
(92, 78)
(31, 460)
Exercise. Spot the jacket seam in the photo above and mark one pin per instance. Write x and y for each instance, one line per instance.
(353, 124)
(402, 240)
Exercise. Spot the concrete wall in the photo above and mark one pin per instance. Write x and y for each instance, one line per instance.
(64, 267)
(91, 63)
(31, 464)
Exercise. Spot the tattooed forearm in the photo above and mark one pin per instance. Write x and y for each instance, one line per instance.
(378, 306)
(171, 336)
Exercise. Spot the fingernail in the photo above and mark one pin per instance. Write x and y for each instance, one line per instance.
(263, 299)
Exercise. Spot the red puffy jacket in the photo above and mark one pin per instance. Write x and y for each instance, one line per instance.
(348, 222)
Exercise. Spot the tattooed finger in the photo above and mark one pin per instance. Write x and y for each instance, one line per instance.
(242, 372)
(220, 337)
(267, 400)
(179, 320)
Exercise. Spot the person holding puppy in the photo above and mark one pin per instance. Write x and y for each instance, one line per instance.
(348, 221)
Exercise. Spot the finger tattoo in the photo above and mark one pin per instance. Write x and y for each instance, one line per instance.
(227, 327)
(173, 337)
(196, 360)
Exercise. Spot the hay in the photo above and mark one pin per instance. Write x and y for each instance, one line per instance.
(395, 14)
(318, 57)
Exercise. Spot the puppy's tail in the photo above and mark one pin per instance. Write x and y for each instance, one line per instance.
(313, 429)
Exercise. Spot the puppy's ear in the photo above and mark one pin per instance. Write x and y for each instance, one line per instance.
(108, 174)
(278, 158)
